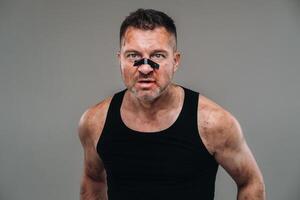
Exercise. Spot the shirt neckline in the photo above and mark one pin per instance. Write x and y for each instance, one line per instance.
(154, 132)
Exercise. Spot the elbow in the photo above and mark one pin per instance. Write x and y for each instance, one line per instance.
(254, 189)
(260, 190)
(92, 190)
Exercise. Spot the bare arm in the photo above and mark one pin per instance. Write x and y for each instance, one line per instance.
(226, 142)
(93, 183)
(234, 155)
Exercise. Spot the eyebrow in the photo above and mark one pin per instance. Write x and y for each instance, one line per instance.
(159, 51)
(131, 51)
(153, 51)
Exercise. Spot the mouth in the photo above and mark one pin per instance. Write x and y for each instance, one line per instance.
(146, 82)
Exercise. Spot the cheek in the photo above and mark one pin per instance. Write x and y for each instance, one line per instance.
(166, 73)
(128, 73)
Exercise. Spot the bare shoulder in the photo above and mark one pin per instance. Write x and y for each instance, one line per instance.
(218, 128)
(92, 121)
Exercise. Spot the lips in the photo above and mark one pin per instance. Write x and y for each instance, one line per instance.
(146, 81)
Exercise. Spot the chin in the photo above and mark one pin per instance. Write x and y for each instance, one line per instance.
(146, 95)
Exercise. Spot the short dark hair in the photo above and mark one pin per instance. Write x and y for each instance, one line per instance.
(148, 19)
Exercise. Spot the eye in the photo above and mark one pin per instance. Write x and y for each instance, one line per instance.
(133, 56)
(158, 56)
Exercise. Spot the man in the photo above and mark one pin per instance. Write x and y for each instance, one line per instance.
(156, 139)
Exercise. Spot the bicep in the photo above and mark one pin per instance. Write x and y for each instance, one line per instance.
(93, 167)
(93, 182)
(92, 164)
(234, 155)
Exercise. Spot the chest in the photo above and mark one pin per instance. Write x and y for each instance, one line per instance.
(150, 123)
(166, 158)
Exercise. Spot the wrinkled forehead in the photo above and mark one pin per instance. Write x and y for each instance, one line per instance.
(147, 39)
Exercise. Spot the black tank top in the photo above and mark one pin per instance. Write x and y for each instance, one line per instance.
(169, 164)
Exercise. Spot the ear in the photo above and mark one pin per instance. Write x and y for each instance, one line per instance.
(119, 56)
(177, 57)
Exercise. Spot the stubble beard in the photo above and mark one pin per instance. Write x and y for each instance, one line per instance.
(148, 95)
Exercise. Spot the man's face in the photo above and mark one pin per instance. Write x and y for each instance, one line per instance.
(158, 45)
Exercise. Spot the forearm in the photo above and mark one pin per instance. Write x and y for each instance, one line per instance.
(252, 191)
(92, 190)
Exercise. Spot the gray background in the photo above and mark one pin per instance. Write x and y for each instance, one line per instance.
(57, 57)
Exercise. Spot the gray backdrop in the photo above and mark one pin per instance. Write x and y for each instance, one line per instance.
(57, 57)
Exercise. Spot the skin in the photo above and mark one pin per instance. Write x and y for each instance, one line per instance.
(155, 105)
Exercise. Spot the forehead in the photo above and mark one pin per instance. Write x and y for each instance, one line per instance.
(147, 39)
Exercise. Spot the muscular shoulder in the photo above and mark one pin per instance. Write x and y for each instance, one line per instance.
(92, 121)
(218, 127)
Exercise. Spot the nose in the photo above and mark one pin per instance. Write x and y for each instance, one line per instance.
(145, 69)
